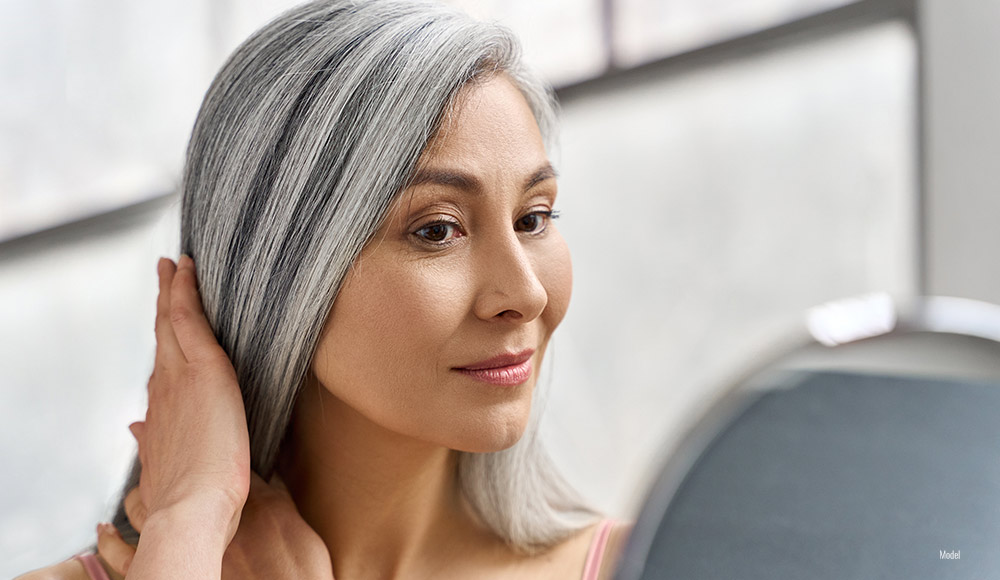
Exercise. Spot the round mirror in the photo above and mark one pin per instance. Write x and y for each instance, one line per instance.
(872, 450)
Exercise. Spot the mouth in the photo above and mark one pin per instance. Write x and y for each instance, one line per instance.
(507, 369)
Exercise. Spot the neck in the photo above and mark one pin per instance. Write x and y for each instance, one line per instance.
(384, 504)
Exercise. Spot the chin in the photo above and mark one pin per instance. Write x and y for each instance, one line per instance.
(490, 436)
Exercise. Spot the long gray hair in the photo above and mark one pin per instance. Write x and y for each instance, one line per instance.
(303, 141)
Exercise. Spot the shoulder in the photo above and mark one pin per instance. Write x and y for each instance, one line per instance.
(571, 557)
(68, 570)
(620, 534)
(617, 538)
(594, 553)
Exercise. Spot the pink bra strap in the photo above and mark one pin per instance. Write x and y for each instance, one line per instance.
(597, 546)
(93, 567)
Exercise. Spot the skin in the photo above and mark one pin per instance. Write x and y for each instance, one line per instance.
(467, 265)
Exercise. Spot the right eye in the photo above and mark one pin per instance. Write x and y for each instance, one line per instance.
(438, 233)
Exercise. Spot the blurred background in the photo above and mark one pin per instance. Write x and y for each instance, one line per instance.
(724, 165)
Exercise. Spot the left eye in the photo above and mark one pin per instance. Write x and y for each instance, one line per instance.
(534, 222)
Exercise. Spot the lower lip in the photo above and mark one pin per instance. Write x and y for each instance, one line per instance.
(502, 376)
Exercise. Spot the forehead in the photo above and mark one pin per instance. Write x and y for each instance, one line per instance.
(490, 124)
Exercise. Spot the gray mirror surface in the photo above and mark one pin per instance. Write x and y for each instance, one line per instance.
(879, 458)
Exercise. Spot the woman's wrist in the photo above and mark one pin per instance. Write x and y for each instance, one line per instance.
(213, 513)
(217, 508)
(185, 540)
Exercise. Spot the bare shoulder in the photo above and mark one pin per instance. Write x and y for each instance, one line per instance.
(617, 539)
(68, 570)
(572, 555)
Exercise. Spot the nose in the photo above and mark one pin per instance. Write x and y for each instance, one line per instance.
(509, 287)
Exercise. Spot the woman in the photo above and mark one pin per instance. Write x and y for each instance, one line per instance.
(369, 203)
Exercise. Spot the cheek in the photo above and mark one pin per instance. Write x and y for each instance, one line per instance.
(556, 275)
(388, 325)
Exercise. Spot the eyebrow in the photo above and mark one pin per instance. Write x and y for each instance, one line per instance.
(468, 182)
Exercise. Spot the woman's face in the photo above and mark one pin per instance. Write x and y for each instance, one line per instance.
(439, 329)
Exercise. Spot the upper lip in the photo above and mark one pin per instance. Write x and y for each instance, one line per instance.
(501, 360)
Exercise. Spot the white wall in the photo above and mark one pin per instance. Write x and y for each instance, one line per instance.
(706, 210)
(76, 350)
(962, 147)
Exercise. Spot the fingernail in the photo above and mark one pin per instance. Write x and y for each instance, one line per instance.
(185, 260)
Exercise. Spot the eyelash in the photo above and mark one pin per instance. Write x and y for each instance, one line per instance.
(547, 215)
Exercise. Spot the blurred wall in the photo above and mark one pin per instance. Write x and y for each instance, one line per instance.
(76, 350)
(708, 205)
(962, 145)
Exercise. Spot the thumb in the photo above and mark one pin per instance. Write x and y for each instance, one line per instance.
(138, 429)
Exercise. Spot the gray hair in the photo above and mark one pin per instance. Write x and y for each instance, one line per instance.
(306, 136)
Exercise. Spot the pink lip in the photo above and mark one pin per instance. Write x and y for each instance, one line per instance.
(507, 369)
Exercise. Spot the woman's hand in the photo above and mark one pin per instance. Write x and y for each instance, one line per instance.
(193, 445)
(272, 542)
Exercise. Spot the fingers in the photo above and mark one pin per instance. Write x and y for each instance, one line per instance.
(114, 549)
(138, 430)
(135, 509)
(167, 347)
(187, 316)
